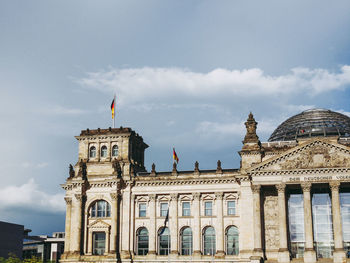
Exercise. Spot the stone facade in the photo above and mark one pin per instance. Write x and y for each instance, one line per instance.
(116, 210)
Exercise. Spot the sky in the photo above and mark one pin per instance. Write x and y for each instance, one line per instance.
(186, 75)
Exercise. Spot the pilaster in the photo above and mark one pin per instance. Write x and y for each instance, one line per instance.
(283, 253)
(257, 220)
(219, 226)
(152, 231)
(197, 225)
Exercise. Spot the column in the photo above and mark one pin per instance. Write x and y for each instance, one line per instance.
(152, 231)
(125, 248)
(219, 226)
(257, 220)
(132, 225)
(283, 253)
(68, 224)
(173, 224)
(309, 254)
(76, 225)
(196, 225)
(114, 227)
(339, 253)
(89, 250)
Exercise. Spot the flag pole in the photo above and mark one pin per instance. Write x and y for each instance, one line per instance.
(114, 111)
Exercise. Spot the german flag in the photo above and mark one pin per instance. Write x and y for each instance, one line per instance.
(112, 107)
(175, 156)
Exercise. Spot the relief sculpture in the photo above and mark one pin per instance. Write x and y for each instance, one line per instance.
(271, 222)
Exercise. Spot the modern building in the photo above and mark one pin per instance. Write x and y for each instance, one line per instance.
(47, 248)
(289, 201)
(11, 238)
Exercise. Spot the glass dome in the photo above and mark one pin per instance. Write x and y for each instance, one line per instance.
(312, 123)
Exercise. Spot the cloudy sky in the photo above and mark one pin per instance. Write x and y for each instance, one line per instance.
(186, 75)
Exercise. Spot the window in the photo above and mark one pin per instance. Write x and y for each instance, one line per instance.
(296, 224)
(142, 210)
(99, 243)
(142, 241)
(231, 207)
(232, 247)
(163, 209)
(186, 241)
(100, 209)
(208, 208)
(345, 214)
(186, 209)
(164, 241)
(115, 150)
(104, 151)
(92, 152)
(209, 244)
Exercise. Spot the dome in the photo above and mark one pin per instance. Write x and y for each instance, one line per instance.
(312, 123)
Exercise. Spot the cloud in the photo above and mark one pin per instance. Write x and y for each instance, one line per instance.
(143, 84)
(30, 196)
(60, 110)
(27, 164)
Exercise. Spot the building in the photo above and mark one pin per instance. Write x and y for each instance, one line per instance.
(11, 238)
(288, 201)
(44, 247)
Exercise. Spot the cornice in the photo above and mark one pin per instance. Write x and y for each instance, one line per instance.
(301, 171)
(186, 182)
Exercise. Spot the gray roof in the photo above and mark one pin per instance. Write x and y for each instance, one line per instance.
(312, 123)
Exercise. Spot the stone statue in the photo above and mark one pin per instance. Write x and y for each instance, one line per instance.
(71, 171)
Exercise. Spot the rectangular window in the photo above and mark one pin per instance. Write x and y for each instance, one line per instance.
(163, 209)
(231, 207)
(208, 208)
(99, 243)
(186, 209)
(142, 210)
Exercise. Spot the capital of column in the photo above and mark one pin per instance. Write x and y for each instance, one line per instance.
(334, 185)
(173, 197)
(256, 188)
(219, 195)
(68, 200)
(78, 197)
(281, 187)
(196, 196)
(152, 197)
(114, 196)
(306, 186)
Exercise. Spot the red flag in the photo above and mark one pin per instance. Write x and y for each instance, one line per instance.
(175, 156)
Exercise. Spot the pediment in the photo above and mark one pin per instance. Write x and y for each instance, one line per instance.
(314, 154)
(98, 224)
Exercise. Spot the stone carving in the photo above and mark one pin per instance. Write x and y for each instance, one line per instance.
(306, 186)
(173, 197)
(317, 156)
(71, 171)
(82, 169)
(196, 166)
(250, 125)
(196, 196)
(256, 188)
(79, 197)
(281, 188)
(68, 200)
(152, 197)
(334, 185)
(272, 239)
(153, 168)
(218, 167)
(219, 195)
(114, 196)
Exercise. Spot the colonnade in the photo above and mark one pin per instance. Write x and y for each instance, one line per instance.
(309, 253)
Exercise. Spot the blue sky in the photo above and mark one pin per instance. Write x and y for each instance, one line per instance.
(186, 75)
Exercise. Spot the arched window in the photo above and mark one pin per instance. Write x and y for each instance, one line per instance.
(232, 245)
(104, 151)
(92, 152)
(100, 208)
(142, 241)
(209, 244)
(115, 150)
(163, 241)
(186, 241)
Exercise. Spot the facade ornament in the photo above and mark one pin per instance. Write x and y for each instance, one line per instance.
(114, 196)
(82, 169)
(173, 197)
(196, 166)
(251, 125)
(152, 197)
(79, 197)
(116, 167)
(281, 187)
(306, 186)
(68, 200)
(174, 171)
(153, 171)
(218, 167)
(219, 195)
(196, 196)
(71, 171)
(256, 188)
(334, 185)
